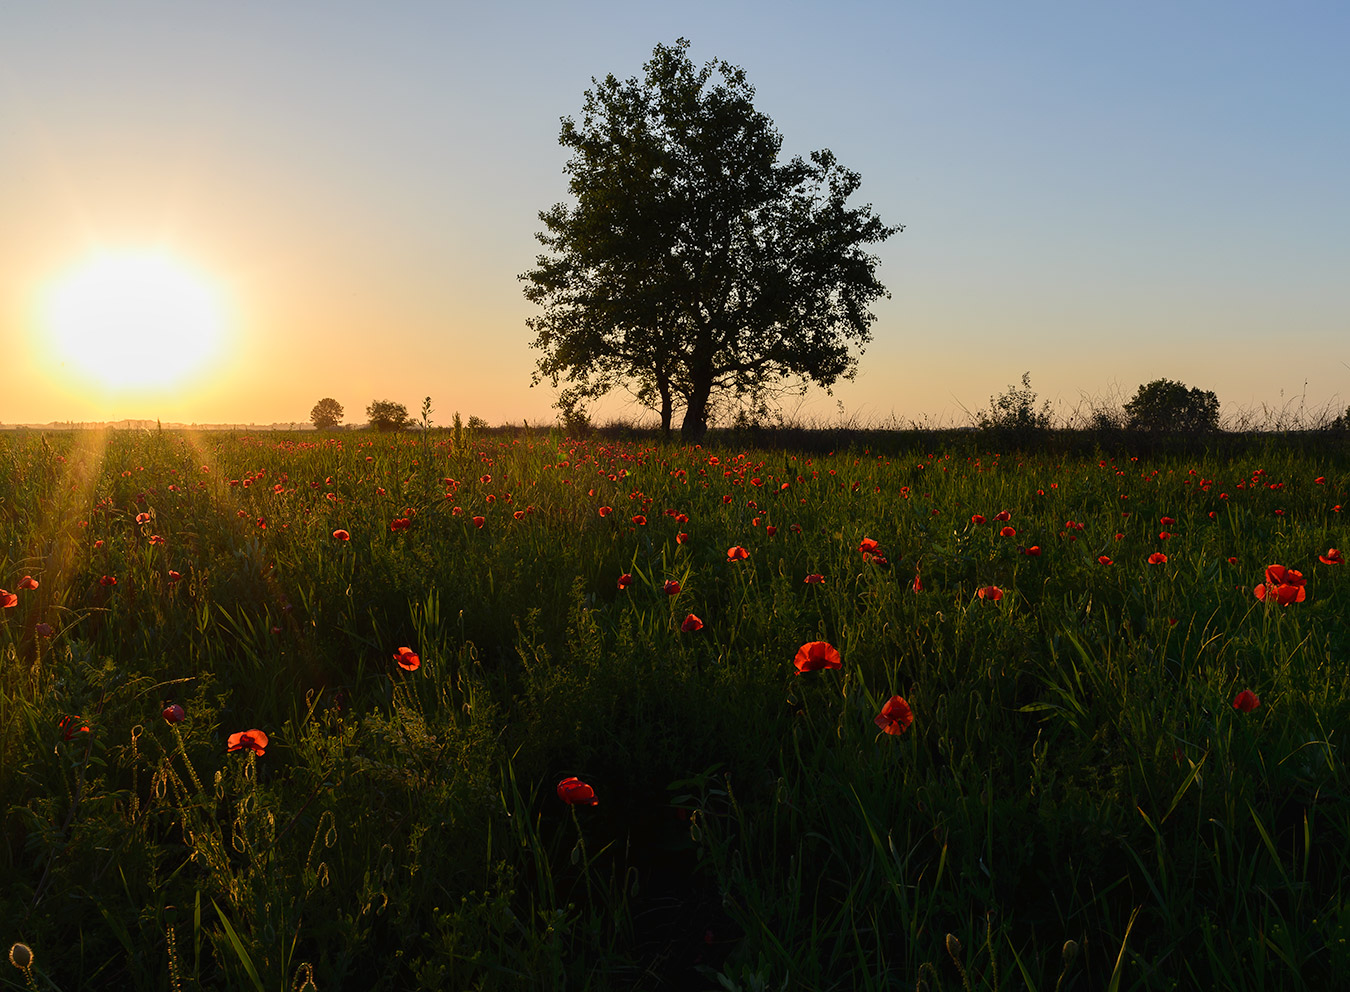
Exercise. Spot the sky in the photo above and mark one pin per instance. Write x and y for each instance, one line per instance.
(1100, 194)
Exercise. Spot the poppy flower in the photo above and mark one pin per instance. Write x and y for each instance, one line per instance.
(681, 538)
(252, 740)
(1003, 516)
(479, 521)
(1034, 551)
(1008, 532)
(770, 529)
(895, 717)
(28, 582)
(918, 584)
(173, 713)
(44, 630)
(1166, 521)
(868, 546)
(1103, 560)
(796, 528)
(640, 520)
(8, 599)
(1332, 557)
(691, 624)
(1157, 558)
(575, 792)
(625, 580)
(341, 535)
(814, 579)
(174, 576)
(605, 511)
(990, 592)
(672, 586)
(72, 725)
(977, 518)
(1245, 701)
(142, 518)
(1283, 594)
(407, 660)
(1232, 561)
(815, 655)
(737, 553)
(398, 524)
(157, 540)
(108, 580)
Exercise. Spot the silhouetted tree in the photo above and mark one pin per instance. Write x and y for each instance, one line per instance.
(693, 262)
(386, 415)
(1165, 406)
(327, 414)
(1013, 416)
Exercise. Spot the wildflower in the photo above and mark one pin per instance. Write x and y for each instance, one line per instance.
(895, 717)
(142, 518)
(770, 529)
(157, 540)
(691, 624)
(977, 519)
(28, 582)
(605, 511)
(681, 538)
(575, 792)
(1008, 532)
(398, 524)
(341, 535)
(737, 553)
(640, 520)
(1232, 561)
(8, 600)
(43, 630)
(815, 655)
(173, 713)
(918, 584)
(1103, 560)
(1157, 558)
(253, 740)
(479, 521)
(1166, 521)
(1034, 551)
(990, 592)
(796, 528)
(72, 725)
(108, 580)
(407, 660)
(174, 576)
(625, 580)
(868, 546)
(1332, 557)
(1285, 585)
(814, 579)
(1245, 701)
(672, 586)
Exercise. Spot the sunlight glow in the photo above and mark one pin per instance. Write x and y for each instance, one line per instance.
(130, 320)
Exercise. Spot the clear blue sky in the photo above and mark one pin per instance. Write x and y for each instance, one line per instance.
(1100, 194)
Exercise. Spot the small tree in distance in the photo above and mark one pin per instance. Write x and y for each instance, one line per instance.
(1013, 417)
(386, 415)
(327, 414)
(1165, 406)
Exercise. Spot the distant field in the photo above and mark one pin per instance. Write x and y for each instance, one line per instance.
(1124, 767)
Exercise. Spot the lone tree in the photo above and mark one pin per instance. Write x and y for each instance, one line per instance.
(327, 414)
(693, 263)
(386, 415)
(1165, 406)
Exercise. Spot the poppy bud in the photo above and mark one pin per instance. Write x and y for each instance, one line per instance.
(173, 713)
(21, 956)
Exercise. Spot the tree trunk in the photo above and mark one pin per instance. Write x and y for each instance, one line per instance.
(695, 424)
(667, 407)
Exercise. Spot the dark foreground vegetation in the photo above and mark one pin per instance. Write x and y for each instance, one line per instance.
(304, 711)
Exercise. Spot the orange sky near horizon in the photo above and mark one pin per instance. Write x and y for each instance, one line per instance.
(1102, 198)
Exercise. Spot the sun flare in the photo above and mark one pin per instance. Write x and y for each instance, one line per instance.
(134, 319)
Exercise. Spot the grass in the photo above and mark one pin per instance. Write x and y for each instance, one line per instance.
(1077, 805)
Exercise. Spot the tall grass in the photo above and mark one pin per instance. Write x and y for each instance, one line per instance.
(1078, 803)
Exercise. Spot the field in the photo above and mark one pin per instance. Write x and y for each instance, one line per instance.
(1113, 766)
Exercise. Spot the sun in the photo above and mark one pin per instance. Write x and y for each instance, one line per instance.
(134, 319)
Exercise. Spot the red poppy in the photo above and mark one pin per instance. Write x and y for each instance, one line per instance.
(1034, 551)
(681, 538)
(72, 725)
(1008, 532)
(770, 529)
(8, 599)
(407, 660)
(625, 580)
(605, 511)
(895, 717)
(400, 523)
(1157, 558)
(1279, 575)
(142, 518)
(1283, 594)
(868, 546)
(341, 535)
(977, 518)
(1245, 701)
(672, 586)
(1232, 561)
(815, 655)
(108, 580)
(1166, 521)
(575, 792)
(1103, 560)
(918, 584)
(479, 521)
(691, 623)
(28, 582)
(1332, 557)
(173, 713)
(640, 520)
(990, 592)
(252, 740)
(737, 553)
(157, 540)
(796, 528)
(1003, 516)
(174, 576)
(814, 579)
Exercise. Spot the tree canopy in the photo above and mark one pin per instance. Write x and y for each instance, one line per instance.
(386, 415)
(1165, 406)
(693, 265)
(327, 414)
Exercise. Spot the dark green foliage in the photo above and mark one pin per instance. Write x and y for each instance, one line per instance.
(1163, 406)
(1012, 417)
(386, 415)
(327, 414)
(693, 264)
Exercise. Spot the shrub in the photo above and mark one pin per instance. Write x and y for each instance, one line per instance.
(1166, 406)
(386, 415)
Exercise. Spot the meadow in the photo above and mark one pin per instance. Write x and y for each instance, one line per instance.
(520, 711)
